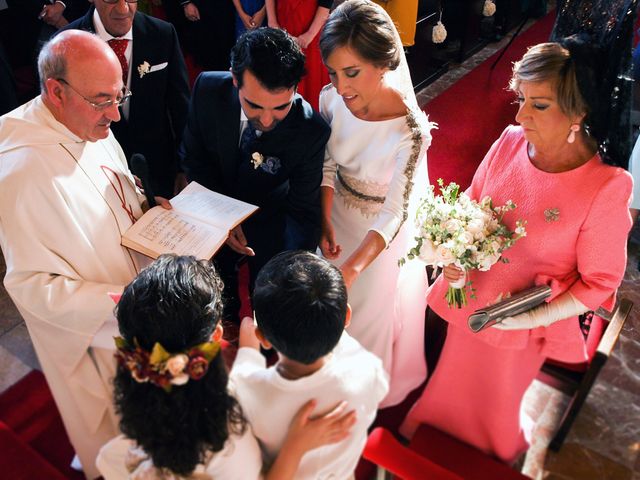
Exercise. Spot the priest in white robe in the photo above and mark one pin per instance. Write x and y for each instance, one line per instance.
(66, 196)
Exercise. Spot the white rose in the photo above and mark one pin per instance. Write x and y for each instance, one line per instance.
(176, 364)
(427, 252)
(486, 263)
(465, 238)
(452, 225)
(180, 379)
(475, 226)
(444, 255)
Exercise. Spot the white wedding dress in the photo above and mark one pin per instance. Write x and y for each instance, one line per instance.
(378, 171)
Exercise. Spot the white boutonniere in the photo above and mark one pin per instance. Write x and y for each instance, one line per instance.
(256, 159)
(143, 68)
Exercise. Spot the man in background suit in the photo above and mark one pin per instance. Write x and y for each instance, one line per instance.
(208, 29)
(153, 121)
(251, 137)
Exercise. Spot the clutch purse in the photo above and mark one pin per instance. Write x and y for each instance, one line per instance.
(509, 307)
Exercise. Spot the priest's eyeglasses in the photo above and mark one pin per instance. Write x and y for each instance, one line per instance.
(125, 95)
(116, 1)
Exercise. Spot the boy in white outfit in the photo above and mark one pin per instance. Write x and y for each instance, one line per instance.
(301, 311)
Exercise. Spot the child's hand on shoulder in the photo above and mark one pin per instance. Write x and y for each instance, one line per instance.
(307, 432)
(248, 334)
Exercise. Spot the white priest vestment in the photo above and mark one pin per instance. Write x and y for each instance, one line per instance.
(64, 204)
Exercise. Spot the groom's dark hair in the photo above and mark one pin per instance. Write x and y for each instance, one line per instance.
(300, 305)
(272, 55)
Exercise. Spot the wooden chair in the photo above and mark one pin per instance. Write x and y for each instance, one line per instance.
(577, 382)
(433, 455)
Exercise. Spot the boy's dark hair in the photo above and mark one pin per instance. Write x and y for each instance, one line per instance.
(272, 55)
(300, 303)
(176, 302)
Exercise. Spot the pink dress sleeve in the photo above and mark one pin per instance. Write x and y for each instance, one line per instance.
(601, 246)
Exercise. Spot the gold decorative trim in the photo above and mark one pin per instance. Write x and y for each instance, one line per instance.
(410, 168)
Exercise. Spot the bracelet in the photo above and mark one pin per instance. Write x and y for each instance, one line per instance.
(64, 5)
(184, 4)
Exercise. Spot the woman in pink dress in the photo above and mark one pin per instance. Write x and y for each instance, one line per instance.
(303, 20)
(576, 208)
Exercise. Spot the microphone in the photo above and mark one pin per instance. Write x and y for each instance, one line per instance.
(140, 169)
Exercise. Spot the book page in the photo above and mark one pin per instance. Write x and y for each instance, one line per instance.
(168, 231)
(211, 207)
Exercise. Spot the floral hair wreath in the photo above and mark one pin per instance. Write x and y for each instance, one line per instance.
(162, 368)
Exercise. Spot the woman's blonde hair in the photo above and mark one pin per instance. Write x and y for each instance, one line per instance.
(551, 62)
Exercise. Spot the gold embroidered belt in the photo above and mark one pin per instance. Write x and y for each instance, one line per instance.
(356, 193)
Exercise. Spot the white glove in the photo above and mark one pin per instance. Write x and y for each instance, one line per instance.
(565, 306)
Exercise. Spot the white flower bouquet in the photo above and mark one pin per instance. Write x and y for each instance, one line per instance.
(454, 229)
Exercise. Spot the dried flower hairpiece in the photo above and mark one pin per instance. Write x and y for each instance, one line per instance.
(162, 368)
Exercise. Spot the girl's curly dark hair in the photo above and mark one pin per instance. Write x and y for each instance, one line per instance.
(176, 302)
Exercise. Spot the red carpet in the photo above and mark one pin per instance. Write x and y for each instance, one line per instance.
(472, 113)
(33, 441)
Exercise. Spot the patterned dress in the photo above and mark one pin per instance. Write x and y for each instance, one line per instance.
(295, 16)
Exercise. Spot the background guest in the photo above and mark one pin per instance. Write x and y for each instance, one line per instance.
(210, 31)
(304, 20)
(155, 72)
(250, 14)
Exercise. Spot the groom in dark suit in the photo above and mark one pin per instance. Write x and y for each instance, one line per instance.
(251, 137)
(155, 72)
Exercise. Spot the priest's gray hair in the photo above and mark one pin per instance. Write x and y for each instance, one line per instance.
(52, 62)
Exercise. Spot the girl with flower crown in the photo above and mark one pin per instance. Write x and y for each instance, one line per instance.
(178, 417)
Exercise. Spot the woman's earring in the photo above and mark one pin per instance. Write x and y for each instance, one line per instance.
(572, 132)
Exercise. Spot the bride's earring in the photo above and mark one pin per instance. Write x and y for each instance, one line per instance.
(572, 132)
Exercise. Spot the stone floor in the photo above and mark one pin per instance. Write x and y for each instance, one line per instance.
(604, 443)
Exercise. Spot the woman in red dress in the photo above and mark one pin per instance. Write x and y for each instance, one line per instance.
(303, 19)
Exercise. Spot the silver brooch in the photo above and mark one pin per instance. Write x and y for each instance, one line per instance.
(552, 214)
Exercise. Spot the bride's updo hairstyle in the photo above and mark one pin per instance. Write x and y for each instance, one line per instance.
(365, 28)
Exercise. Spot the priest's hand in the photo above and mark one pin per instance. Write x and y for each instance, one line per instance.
(238, 242)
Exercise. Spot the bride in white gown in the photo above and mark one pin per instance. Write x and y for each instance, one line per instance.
(374, 174)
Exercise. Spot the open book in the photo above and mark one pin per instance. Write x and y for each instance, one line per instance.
(198, 224)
